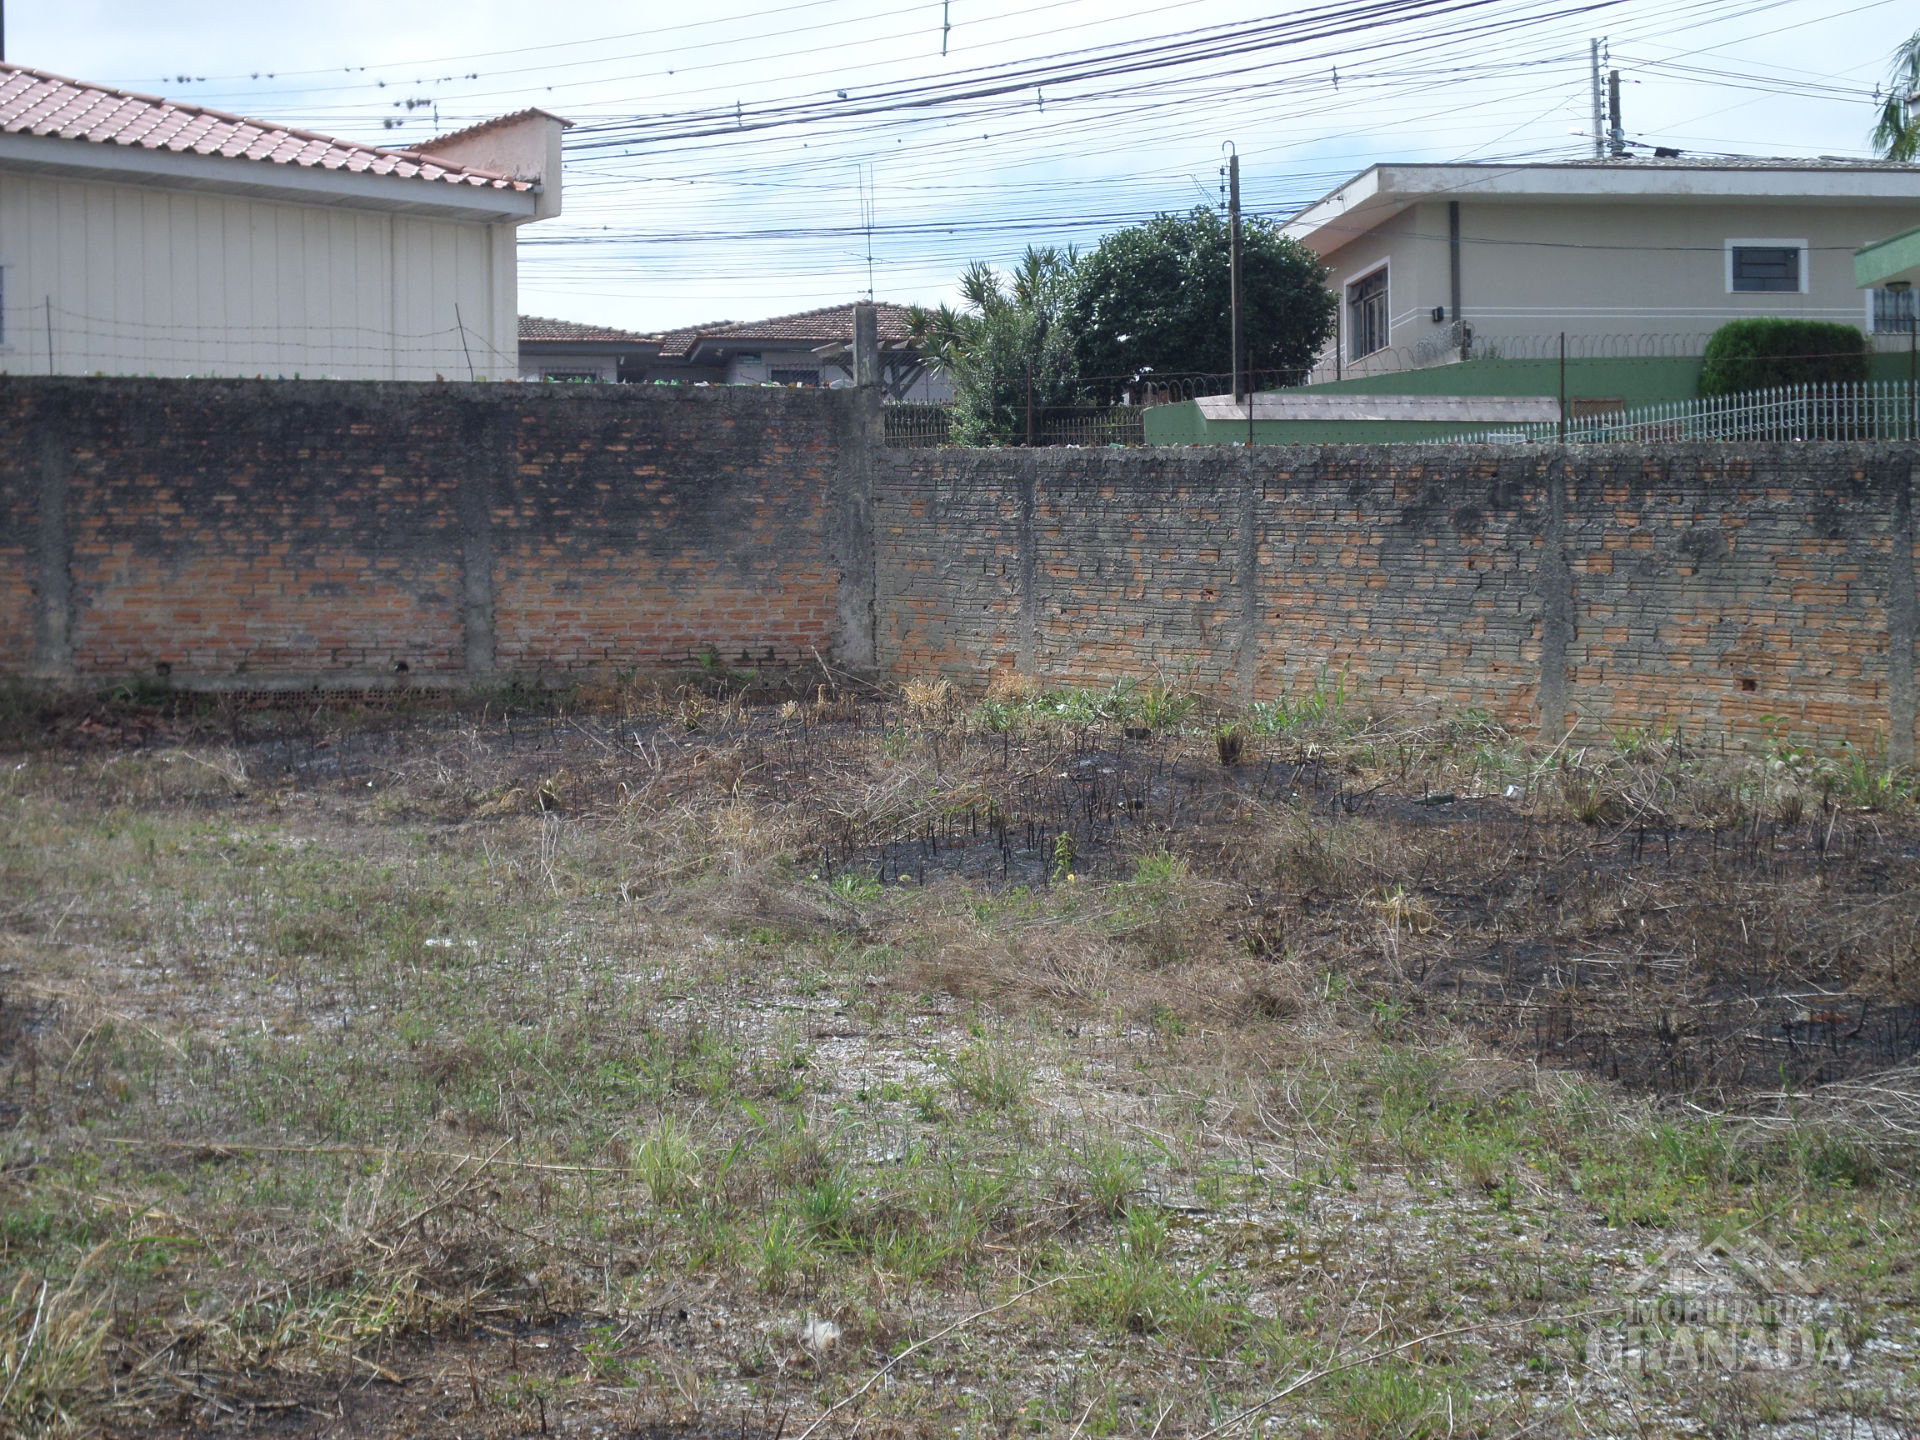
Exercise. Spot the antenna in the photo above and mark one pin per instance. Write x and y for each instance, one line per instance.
(867, 207)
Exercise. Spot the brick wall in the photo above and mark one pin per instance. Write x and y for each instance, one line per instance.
(269, 533)
(1711, 587)
(266, 534)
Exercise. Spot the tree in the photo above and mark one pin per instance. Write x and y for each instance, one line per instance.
(1897, 135)
(1159, 297)
(1007, 351)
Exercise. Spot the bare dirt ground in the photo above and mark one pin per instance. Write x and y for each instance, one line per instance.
(698, 1061)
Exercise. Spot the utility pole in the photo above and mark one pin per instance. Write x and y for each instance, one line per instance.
(1599, 123)
(1616, 137)
(1233, 261)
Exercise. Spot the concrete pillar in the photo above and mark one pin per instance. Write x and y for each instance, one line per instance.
(1555, 580)
(866, 345)
(1903, 615)
(859, 435)
(1248, 564)
(53, 592)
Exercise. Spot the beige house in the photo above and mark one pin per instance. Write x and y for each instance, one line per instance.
(140, 236)
(1435, 263)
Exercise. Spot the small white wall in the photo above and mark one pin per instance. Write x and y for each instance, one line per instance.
(525, 146)
(138, 280)
(928, 388)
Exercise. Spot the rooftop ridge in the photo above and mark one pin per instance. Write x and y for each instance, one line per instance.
(48, 105)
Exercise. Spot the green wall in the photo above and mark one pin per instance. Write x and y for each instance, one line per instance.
(1638, 380)
(1634, 380)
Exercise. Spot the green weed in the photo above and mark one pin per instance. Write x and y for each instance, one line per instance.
(667, 1164)
(990, 1074)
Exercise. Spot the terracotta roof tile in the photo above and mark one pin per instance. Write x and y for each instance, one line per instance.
(33, 102)
(538, 327)
(811, 327)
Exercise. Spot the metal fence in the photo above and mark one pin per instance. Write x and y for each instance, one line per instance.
(1473, 343)
(1859, 410)
(916, 427)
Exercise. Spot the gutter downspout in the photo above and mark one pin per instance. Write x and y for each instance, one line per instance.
(1453, 269)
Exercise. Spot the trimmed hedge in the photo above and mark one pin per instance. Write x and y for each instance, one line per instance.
(1766, 351)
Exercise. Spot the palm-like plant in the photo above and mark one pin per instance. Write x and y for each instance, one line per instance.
(1897, 134)
(1005, 349)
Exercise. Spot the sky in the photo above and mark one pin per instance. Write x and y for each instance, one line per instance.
(735, 159)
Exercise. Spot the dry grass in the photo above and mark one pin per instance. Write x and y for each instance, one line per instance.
(49, 1355)
(681, 1060)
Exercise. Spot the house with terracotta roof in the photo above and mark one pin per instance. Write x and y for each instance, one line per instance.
(814, 347)
(143, 236)
(570, 350)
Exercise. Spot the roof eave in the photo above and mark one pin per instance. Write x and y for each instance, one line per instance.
(1314, 226)
(1382, 191)
(312, 184)
(1895, 260)
(590, 347)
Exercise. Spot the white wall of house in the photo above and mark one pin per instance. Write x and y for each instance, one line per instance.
(539, 364)
(772, 365)
(103, 276)
(1642, 273)
(1631, 258)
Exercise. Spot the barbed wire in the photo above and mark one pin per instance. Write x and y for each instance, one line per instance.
(43, 337)
(36, 338)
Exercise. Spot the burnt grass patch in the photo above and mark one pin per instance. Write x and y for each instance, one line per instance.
(1763, 938)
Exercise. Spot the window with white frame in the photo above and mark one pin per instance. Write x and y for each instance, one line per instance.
(1367, 314)
(1766, 267)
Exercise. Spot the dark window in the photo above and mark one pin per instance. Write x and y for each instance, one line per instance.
(794, 377)
(1367, 315)
(1893, 312)
(1766, 267)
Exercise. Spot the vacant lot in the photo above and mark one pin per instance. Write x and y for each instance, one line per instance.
(698, 1060)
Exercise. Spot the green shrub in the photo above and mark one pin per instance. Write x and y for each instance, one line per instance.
(1766, 351)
